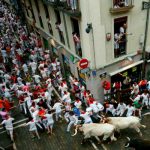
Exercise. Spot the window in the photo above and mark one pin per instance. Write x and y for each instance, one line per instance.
(37, 5)
(27, 11)
(50, 28)
(41, 22)
(122, 3)
(31, 9)
(57, 16)
(59, 26)
(46, 10)
(120, 39)
(76, 36)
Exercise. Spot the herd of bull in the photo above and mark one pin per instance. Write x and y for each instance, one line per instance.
(109, 125)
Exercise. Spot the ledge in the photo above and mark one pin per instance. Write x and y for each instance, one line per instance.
(70, 12)
(121, 9)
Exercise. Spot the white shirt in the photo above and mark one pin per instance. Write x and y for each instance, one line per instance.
(28, 100)
(137, 98)
(66, 97)
(87, 118)
(54, 66)
(121, 107)
(94, 108)
(43, 73)
(78, 104)
(57, 107)
(63, 88)
(32, 125)
(7, 77)
(148, 85)
(33, 65)
(8, 123)
(130, 110)
(50, 119)
(145, 97)
(47, 96)
(37, 78)
(25, 68)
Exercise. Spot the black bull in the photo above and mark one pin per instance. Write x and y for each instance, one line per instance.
(138, 144)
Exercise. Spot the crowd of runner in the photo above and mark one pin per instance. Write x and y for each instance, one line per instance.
(31, 78)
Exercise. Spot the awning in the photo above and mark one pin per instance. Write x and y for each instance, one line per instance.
(126, 68)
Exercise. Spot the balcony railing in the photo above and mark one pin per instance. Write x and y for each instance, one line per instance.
(120, 6)
(71, 9)
(51, 2)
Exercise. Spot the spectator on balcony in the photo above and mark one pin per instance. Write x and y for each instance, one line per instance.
(123, 31)
(59, 27)
(73, 4)
(77, 42)
(116, 44)
(122, 35)
(68, 3)
(116, 5)
(124, 3)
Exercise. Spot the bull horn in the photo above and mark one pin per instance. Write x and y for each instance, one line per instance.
(76, 130)
(128, 138)
(127, 145)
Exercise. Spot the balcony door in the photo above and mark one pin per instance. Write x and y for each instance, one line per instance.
(120, 39)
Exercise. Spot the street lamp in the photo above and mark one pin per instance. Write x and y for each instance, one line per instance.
(145, 5)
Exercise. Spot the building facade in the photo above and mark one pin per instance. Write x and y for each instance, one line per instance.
(108, 33)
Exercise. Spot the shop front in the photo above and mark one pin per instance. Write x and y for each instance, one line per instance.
(124, 78)
(132, 71)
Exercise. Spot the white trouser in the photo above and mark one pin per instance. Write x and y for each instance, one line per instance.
(145, 102)
(58, 114)
(23, 107)
(69, 125)
(66, 116)
(73, 4)
(120, 112)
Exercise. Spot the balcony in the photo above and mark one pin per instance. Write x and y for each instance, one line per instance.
(51, 2)
(121, 6)
(68, 8)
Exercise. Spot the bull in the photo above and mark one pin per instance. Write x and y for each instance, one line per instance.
(94, 129)
(124, 123)
(138, 144)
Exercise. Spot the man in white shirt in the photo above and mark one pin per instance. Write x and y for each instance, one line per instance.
(130, 110)
(33, 128)
(121, 108)
(66, 97)
(25, 68)
(48, 98)
(37, 78)
(9, 126)
(78, 103)
(33, 66)
(73, 120)
(86, 117)
(135, 88)
(57, 106)
(145, 101)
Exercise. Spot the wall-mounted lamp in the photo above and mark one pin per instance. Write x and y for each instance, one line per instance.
(108, 36)
(89, 28)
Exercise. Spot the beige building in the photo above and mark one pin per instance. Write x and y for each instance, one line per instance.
(108, 33)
